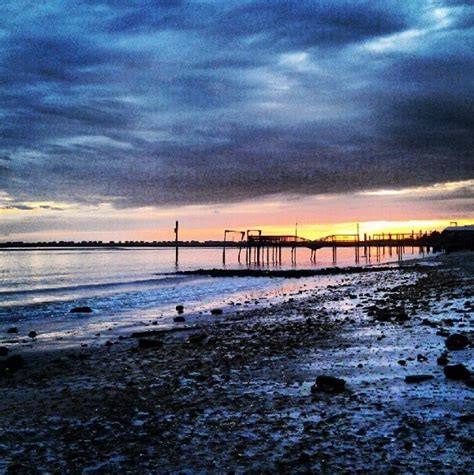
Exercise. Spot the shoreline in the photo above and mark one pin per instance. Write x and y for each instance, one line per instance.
(235, 394)
(85, 329)
(299, 273)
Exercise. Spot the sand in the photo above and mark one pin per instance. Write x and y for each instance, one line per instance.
(238, 394)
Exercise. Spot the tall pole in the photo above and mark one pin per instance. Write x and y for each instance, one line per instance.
(223, 248)
(176, 240)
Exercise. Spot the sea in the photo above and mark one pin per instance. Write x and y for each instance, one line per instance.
(134, 288)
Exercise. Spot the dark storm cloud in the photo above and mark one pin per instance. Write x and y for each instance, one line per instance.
(181, 102)
(308, 24)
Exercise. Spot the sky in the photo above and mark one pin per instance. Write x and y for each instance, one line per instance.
(119, 117)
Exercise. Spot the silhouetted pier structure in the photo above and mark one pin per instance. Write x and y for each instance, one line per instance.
(267, 249)
(263, 249)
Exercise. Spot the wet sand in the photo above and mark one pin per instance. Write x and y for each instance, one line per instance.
(237, 394)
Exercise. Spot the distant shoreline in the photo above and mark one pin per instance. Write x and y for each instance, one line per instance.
(116, 246)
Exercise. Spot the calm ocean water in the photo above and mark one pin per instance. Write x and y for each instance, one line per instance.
(128, 286)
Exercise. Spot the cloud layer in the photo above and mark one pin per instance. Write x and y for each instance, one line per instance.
(142, 103)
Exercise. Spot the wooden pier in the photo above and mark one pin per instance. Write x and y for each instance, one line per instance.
(263, 249)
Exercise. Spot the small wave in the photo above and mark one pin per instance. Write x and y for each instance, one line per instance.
(165, 279)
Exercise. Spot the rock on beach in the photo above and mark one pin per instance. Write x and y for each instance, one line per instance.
(417, 378)
(11, 365)
(329, 384)
(456, 371)
(456, 342)
(146, 343)
(80, 310)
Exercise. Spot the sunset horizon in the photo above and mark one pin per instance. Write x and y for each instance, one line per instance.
(236, 237)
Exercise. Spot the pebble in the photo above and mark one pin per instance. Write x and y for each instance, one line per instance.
(80, 310)
(456, 342)
(418, 378)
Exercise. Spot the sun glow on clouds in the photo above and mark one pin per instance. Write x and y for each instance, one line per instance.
(314, 216)
(425, 190)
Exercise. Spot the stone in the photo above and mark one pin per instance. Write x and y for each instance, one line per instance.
(401, 316)
(4, 351)
(180, 308)
(329, 384)
(456, 342)
(442, 360)
(456, 371)
(108, 343)
(383, 315)
(417, 378)
(179, 319)
(12, 330)
(216, 311)
(390, 314)
(81, 310)
(421, 358)
(32, 334)
(12, 364)
(197, 338)
(146, 343)
(466, 418)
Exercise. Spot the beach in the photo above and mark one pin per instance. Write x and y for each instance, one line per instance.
(236, 391)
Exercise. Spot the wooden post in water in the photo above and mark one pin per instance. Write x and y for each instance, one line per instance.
(176, 241)
(242, 235)
(223, 248)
